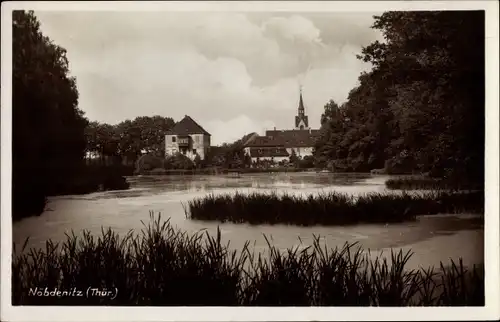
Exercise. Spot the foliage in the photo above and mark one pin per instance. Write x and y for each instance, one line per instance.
(421, 107)
(307, 162)
(294, 159)
(149, 162)
(197, 161)
(164, 266)
(144, 134)
(94, 178)
(48, 142)
(157, 171)
(178, 161)
(229, 155)
(330, 208)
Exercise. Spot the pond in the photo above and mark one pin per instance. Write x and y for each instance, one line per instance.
(431, 238)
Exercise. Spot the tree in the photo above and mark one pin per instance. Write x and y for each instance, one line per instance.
(130, 139)
(294, 159)
(247, 161)
(151, 133)
(421, 107)
(197, 161)
(48, 141)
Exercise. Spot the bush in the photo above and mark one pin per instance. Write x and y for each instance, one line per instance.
(148, 162)
(178, 162)
(158, 171)
(330, 208)
(164, 266)
(307, 162)
(95, 178)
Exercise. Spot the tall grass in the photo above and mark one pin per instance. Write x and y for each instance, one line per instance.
(329, 208)
(163, 266)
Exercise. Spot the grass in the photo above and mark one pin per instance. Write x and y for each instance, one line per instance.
(164, 266)
(416, 183)
(329, 208)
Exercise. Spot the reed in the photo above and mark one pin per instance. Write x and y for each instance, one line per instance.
(329, 208)
(164, 266)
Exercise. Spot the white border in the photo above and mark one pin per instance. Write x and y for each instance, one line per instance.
(490, 311)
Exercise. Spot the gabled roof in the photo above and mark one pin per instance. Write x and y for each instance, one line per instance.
(293, 133)
(266, 141)
(187, 126)
(286, 138)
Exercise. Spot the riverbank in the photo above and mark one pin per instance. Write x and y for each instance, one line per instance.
(223, 171)
(427, 183)
(330, 208)
(31, 200)
(164, 266)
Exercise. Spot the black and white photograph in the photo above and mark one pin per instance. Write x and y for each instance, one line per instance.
(249, 156)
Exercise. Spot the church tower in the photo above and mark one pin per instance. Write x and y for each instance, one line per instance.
(301, 120)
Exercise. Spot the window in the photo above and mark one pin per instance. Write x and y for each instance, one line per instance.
(194, 151)
(173, 139)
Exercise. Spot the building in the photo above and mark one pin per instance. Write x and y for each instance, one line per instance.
(188, 138)
(264, 148)
(301, 119)
(278, 145)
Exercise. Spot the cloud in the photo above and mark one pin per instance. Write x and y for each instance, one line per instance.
(233, 73)
(294, 28)
(235, 128)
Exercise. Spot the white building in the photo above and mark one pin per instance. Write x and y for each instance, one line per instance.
(188, 138)
(278, 145)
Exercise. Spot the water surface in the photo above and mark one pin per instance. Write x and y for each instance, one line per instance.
(431, 238)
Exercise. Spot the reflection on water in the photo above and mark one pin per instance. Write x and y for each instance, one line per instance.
(432, 238)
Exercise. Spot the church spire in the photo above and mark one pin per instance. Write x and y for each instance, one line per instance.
(301, 103)
(301, 120)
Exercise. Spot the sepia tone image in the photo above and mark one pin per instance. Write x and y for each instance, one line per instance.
(248, 158)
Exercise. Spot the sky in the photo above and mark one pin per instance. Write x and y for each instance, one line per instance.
(234, 73)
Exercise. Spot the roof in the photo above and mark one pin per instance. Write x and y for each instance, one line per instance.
(301, 102)
(187, 126)
(286, 138)
(266, 141)
(293, 133)
(268, 152)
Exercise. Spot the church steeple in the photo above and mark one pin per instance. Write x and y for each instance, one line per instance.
(301, 104)
(301, 120)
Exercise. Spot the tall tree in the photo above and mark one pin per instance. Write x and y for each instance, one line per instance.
(48, 128)
(421, 107)
(152, 132)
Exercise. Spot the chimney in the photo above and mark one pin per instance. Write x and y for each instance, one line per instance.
(309, 130)
(275, 128)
